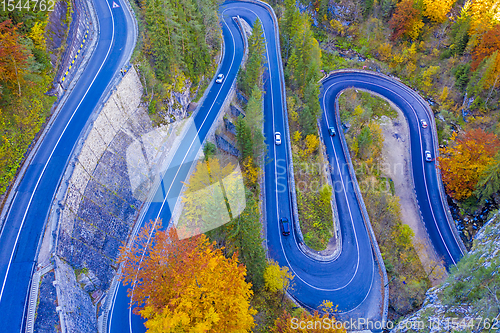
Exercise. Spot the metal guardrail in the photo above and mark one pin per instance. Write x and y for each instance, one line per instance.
(33, 296)
(335, 212)
(245, 38)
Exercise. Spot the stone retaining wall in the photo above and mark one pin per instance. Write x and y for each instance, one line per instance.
(105, 185)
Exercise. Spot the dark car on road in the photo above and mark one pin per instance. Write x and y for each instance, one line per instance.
(285, 226)
(331, 131)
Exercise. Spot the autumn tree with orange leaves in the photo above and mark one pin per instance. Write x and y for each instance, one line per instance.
(489, 44)
(185, 285)
(464, 160)
(406, 21)
(12, 55)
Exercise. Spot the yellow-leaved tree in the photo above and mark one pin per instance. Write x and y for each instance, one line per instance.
(297, 136)
(215, 194)
(485, 14)
(250, 171)
(436, 10)
(312, 144)
(304, 322)
(429, 77)
(277, 278)
(292, 108)
(384, 51)
(37, 34)
(185, 285)
(406, 20)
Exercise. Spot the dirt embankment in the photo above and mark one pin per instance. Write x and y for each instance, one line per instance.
(396, 154)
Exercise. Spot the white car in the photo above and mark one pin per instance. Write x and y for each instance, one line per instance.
(424, 123)
(277, 138)
(220, 77)
(428, 156)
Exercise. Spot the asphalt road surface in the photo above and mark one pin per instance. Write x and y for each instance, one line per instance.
(432, 210)
(353, 280)
(25, 222)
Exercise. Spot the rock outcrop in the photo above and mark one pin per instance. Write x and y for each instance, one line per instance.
(469, 299)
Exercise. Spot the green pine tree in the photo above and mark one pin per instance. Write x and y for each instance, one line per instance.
(244, 138)
(489, 182)
(252, 75)
(254, 120)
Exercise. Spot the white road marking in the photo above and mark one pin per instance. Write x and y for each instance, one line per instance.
(166, 195)
(50, 156)
(422, 158)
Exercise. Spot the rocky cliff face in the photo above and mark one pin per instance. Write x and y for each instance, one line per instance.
(469, 300)
(179, 103)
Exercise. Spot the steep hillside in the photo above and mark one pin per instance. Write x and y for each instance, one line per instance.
(177, 53)
(469, 299)
(30, 45)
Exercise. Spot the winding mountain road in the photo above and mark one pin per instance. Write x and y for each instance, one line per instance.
(353, 280)
(433, 210)
(121, 318)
